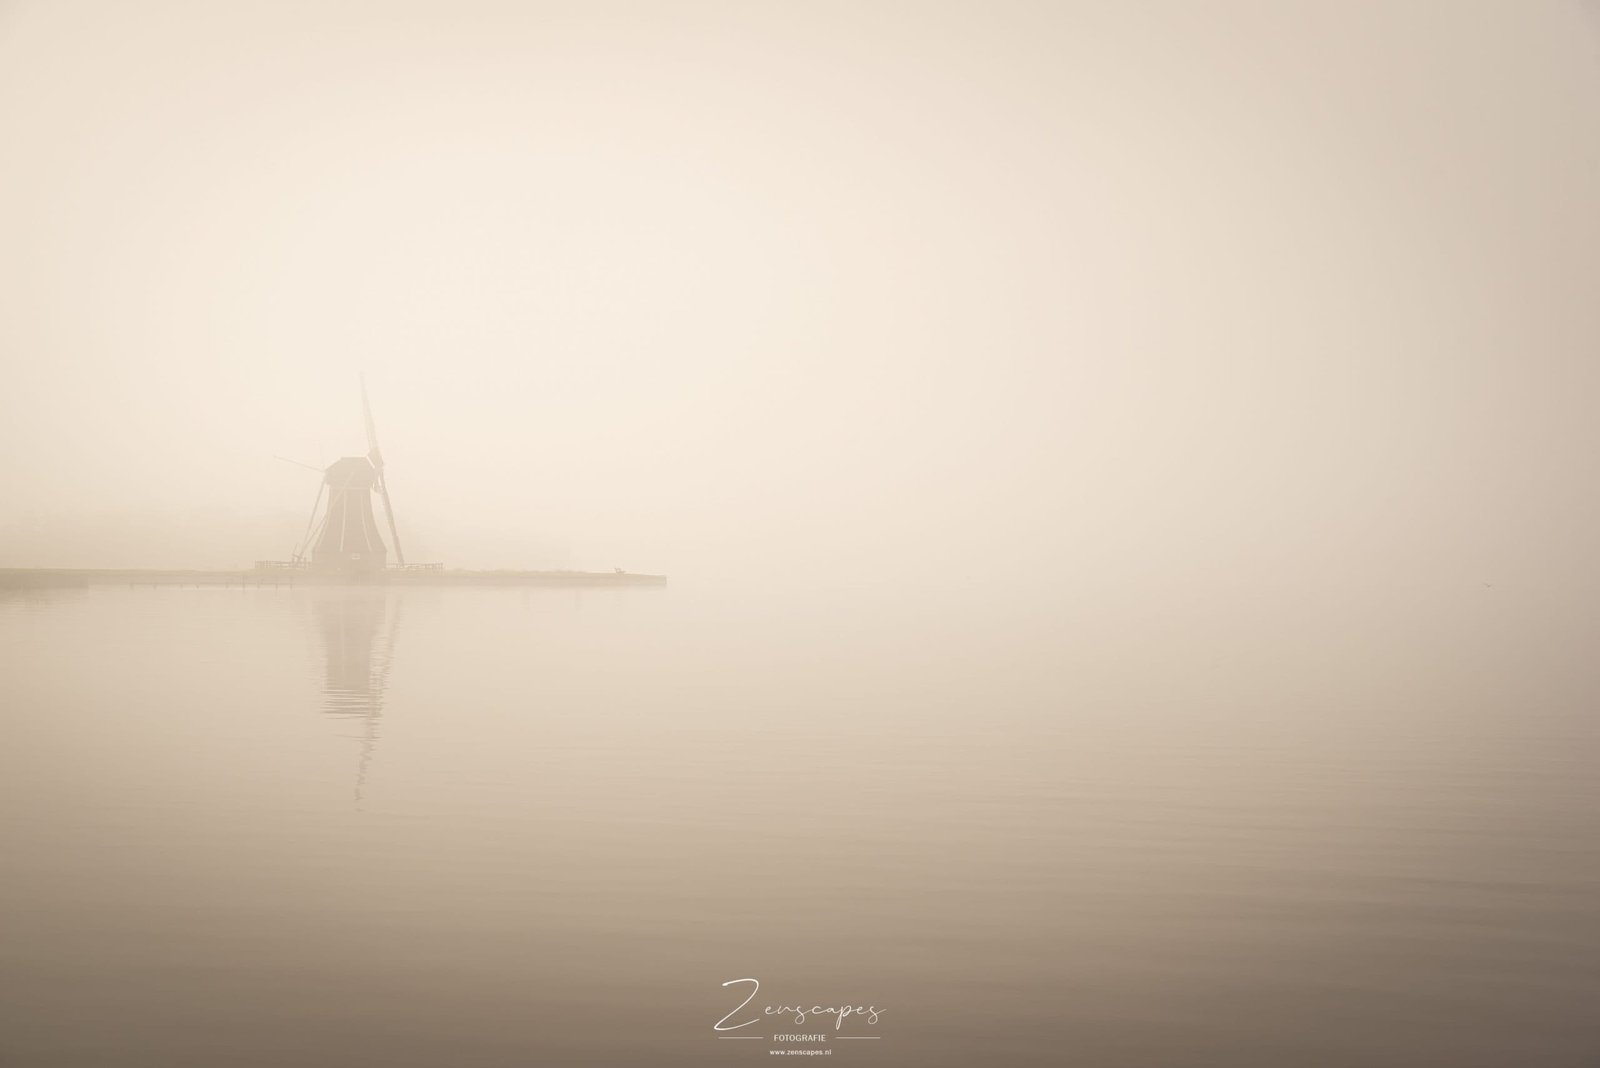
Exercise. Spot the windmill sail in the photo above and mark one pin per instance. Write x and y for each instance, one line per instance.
(375, 457)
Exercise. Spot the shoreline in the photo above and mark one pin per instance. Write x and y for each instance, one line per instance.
(58, 577)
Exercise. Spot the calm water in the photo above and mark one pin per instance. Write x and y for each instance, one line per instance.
(499, 827)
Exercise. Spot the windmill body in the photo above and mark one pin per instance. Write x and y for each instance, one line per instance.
(349, 538)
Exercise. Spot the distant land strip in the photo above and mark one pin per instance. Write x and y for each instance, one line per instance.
(51, 577)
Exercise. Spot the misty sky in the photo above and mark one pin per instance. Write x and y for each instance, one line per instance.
(1169, 291)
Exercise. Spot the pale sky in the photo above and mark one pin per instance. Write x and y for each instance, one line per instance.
(878, 290)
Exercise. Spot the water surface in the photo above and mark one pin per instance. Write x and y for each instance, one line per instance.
(541, 827)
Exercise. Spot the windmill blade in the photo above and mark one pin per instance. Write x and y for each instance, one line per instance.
(388, 511)
(376, 458)
(373, 452)
(311, 523)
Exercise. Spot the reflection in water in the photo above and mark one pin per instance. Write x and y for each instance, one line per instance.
(358, 629)
(1035, 839)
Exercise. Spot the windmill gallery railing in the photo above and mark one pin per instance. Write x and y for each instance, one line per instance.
(307, 565)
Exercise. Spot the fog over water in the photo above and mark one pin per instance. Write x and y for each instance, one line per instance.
(498, 827)
(1125, 474)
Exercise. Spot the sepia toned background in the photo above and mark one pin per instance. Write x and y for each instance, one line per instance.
(1125, 472)
(860, 288)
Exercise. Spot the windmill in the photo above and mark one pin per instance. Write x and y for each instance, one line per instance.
(346, 536)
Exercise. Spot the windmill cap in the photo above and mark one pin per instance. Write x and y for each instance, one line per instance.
(352, 470)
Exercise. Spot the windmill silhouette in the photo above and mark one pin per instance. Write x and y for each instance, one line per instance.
(343, 535)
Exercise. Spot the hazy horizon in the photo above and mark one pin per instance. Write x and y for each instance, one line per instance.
(1242, 291)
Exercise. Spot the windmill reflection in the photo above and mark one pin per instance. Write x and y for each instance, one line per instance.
(358, 629)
